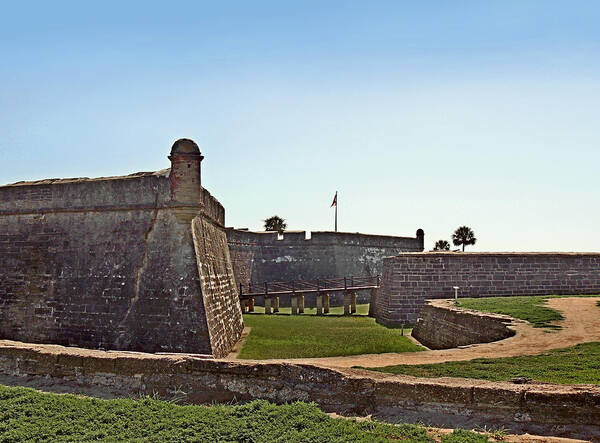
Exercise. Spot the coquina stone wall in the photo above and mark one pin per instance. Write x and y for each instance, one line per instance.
(441, 325)
(266, 256)
(572, 411)
(111, 262)
(409, 279)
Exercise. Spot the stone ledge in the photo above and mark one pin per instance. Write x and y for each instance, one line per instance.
(442, 325)
(540, 408)
(495, 254)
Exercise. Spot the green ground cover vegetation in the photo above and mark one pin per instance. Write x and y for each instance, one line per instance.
(308, 335)
(529, 308)
(574, 365)
(29, 415)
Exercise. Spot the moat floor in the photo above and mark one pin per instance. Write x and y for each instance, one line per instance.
(581, 324)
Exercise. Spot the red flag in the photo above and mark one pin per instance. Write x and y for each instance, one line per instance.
(334, 201)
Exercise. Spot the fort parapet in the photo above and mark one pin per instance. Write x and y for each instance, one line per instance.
(138, 262)
(297, 255)
(410, 279)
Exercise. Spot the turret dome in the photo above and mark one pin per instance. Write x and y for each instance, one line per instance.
(185, 146)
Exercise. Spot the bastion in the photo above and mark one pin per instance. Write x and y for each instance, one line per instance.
(136, 263)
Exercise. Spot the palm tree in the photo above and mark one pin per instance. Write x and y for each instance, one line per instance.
(275, 223)
(463, 236)
(441, 245)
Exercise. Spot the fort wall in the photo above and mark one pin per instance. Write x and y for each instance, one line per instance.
(409, 279)
(267, 256)
(111, 263)
(556, 410)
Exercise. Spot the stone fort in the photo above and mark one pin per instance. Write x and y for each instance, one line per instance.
(136, 263)
(144, 262)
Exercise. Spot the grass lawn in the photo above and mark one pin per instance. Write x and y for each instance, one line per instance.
(306, 335)
(530, 308)
(28, 415)
(575, 365)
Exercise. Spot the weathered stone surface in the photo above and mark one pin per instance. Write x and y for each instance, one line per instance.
(264, 256)
(441, 325)
(411, 278)
(110, 263)
(572, 411)
(219, 292)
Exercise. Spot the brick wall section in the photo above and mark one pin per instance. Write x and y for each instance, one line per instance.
(110, 263)
(410, 279)
(67, 279)
(441, 325)
(572, 411)
(219, 291)
(212, 208)
(260, 256)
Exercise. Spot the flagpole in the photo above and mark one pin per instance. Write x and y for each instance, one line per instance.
(336, 206)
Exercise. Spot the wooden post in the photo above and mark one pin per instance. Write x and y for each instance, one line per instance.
(353, 303)
(346, 303)
(326, 303)
(267, 300)
(319, 303)
(294, 300)
(275, 304)
(301, 304)
(372, 302)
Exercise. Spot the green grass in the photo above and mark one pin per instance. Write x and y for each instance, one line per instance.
(28, 415)
(529, 308)
(464, 436)
(575, 365)
(304, 336)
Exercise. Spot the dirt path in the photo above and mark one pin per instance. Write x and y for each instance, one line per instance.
(581, 324)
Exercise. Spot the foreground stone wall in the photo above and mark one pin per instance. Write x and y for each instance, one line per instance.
(572, 411)
(409, 279)
(441, 325)
(264, 256)
(111, 263)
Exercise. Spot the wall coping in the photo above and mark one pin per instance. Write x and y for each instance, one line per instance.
(433, 254)
(448, 303)
(300, 232)
(70, 181)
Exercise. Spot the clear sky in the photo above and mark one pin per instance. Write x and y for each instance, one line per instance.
(423, 114)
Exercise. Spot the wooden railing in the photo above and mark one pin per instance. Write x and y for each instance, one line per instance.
(275, 289)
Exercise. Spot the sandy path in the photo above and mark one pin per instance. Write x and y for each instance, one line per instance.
(581, 324)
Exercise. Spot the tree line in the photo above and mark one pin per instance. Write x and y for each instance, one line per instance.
(463, 236)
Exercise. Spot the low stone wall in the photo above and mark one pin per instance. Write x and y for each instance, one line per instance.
(411, 278)
(441, 325)
(572, 411)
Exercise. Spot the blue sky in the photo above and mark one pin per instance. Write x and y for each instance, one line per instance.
(428, 114)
